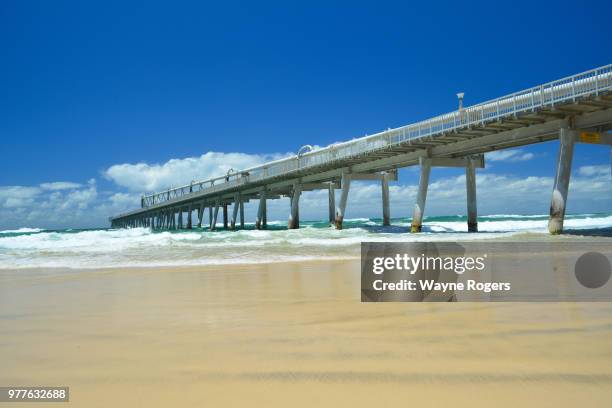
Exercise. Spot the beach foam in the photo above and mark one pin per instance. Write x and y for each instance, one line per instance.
(141, 247)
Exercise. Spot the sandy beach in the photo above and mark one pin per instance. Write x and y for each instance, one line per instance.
(290, 334)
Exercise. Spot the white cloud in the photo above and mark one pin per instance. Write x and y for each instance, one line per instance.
(510, 155)
(59, 185)
(142, 177)
(599, 170)
(17, 196)
(64, 204)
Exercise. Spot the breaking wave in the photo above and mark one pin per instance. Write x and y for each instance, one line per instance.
(141, 247)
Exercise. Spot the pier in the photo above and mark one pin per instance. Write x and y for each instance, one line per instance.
(575, 109)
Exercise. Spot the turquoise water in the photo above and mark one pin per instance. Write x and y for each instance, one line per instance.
(141, 247)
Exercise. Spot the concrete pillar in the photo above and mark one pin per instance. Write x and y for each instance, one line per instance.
(385, 198)
(294, 217)
(241, 213)
(332, 202)
(200, 214)
(470, 184)
(264, 218)
(261, 221)
(180, 218)
(213, 223)
(235, 210)
(189, 213)
(346, 185)
(562, 178)
(225, 216)
(419, 207)
(210, 216)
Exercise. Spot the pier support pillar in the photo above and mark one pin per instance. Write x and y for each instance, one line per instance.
(210, 216)
(224, 216)
(264, 219)
(562, 178)
(213, 222)
(180, 218)
(241, 213)
(200, 214)
(332, 202)
(189, 213)
(470, 183)
(235, 210)
(384, 180)
(419, 207)
(262, 216)
(346, 185)
(294, 217)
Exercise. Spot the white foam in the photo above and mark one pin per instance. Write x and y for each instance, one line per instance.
(142, 247)
(21, 231)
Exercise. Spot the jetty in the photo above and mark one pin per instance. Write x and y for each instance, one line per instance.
(575, 109)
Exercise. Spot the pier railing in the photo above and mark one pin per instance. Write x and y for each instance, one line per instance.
(571, 88)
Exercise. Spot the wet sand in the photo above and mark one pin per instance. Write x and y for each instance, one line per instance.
(291, 334)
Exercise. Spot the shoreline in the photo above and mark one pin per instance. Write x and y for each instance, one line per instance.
(351, 250)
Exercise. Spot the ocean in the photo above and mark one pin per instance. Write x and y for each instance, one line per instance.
(315, 240)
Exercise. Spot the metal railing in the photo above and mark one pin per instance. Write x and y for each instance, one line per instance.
(587, 83)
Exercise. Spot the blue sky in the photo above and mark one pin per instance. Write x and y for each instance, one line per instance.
(91, 89)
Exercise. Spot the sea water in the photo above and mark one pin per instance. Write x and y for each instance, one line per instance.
(315, 240)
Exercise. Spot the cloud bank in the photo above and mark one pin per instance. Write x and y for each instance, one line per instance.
(176, 172)
(510, 155)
